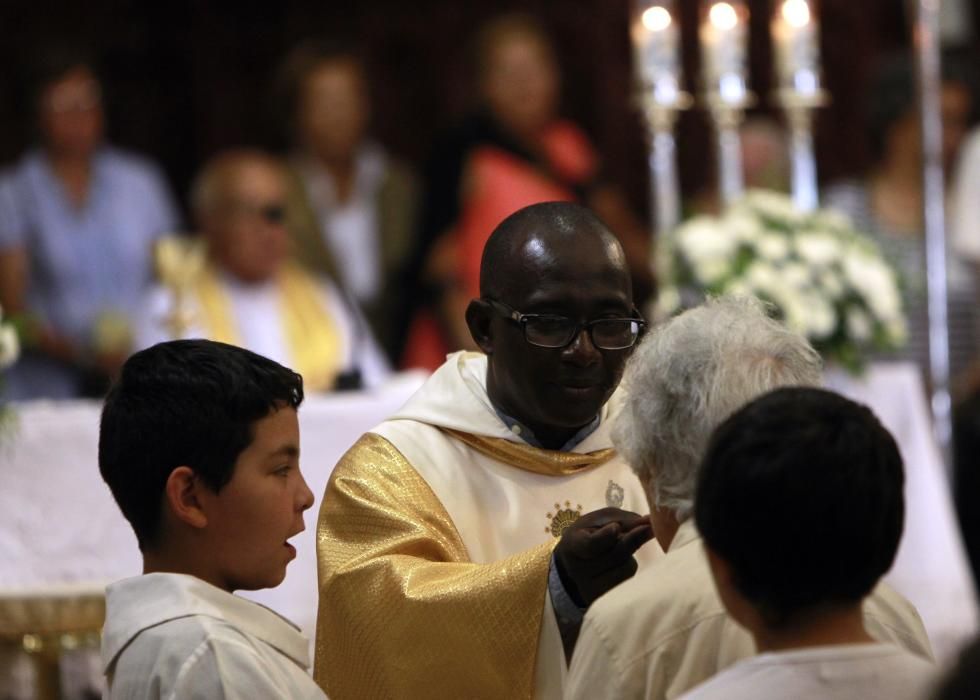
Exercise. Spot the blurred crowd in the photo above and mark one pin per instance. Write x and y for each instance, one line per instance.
(335, 257)
(339, 259)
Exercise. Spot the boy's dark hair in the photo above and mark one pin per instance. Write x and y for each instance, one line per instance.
(801, 493)
(184, 403)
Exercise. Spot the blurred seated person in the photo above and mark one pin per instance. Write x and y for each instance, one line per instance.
(666, 630)
(887, 203)
(250, 294)
(514, 151)
(765, 163)
(820, 476)
(352, 206)
(78, 219)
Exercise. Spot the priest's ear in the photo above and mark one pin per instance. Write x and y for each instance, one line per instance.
(479, 316)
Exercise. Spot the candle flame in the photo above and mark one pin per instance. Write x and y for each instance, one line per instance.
(796, 13)
(656, 18)
(723, 16)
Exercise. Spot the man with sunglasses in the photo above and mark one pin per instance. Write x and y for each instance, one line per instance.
(250, 294)
(460, 541)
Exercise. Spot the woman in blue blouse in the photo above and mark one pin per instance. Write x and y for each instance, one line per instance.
(78, 220)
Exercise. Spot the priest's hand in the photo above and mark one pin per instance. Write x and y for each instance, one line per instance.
(596, 552)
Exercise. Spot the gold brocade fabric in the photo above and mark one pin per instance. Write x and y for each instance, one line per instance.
(403, 612)
(311, 332)
(533, 459)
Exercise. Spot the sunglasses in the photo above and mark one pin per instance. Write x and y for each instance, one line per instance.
(271, 213)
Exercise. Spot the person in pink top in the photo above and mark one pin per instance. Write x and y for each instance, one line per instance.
(513, 152)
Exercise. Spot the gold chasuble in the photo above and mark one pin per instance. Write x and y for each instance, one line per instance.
(434, 544)
(310, 332)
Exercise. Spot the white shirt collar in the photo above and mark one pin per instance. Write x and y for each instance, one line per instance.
(138, 603)
(687, 532)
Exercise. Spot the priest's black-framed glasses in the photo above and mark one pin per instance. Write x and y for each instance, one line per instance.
(553, 331)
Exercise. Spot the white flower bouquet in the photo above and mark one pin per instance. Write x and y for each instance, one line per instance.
(824, 279)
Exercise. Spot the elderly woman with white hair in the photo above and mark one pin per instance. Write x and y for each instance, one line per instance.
(665, 630)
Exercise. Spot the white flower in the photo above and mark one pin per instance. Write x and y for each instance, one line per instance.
(702, 238)
(796, 275)
(772, 246)
(9, 346)
(744, 227)
(830, 282)
(821, 318)
(773, 205)
(859, 327)
(794, 313)
(738, 288)
(761, 278)
(818, 249)
(876, 283)
(711, 271)
(807, 313)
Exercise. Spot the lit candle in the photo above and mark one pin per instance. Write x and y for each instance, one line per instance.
(723, 37)
(794, 36)
(655, 42)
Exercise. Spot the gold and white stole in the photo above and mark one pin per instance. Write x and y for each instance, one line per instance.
(312, 336)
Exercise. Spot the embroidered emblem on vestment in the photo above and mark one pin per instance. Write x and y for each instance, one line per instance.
(563, 517)
(614, 495)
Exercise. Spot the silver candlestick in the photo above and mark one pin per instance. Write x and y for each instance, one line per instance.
(928, 54)
(723, 34)
(795, 40)
(656, 45)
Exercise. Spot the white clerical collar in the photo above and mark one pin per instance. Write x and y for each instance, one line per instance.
(455, 398)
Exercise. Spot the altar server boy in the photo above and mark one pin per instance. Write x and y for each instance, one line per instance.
(818, 480)
(199, 444)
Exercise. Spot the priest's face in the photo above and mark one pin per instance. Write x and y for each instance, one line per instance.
(555, 391)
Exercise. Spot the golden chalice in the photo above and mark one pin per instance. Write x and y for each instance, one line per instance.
(179, 262)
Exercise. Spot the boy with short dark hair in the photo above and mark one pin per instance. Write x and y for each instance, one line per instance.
(199, 444)
(820, 481)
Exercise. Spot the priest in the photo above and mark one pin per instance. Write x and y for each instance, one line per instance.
(460, 542)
